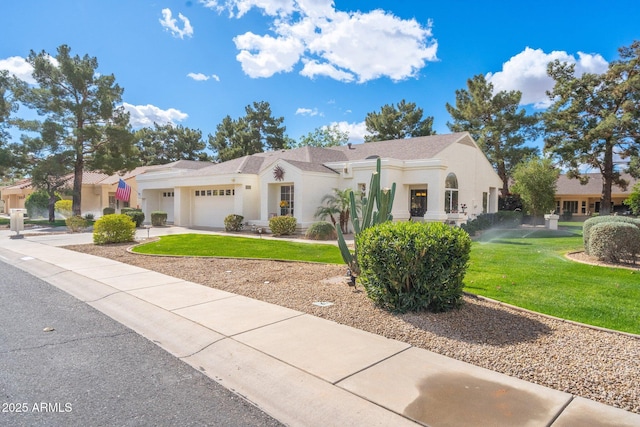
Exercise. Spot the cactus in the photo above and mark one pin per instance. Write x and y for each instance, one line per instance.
(383, 201)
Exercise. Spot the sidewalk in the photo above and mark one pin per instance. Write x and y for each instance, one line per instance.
(300, 369)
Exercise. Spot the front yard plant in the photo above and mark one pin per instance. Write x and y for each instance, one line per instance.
(114, 228)
(282, 225)
(76, 223)
(233, 222)
(414, 266)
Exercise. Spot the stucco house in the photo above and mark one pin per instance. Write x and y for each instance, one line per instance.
(98, 189)
(438, 178)
(584, 200)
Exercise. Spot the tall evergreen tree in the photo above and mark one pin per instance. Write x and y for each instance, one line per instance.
(496, 123)
(255, 132)
(164, 144)
(594, 119)
(398, 122)
(81, 104)
(324, 136)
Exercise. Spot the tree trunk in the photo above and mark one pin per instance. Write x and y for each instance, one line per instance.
(607, 180)
(52, 206)
(77, 184)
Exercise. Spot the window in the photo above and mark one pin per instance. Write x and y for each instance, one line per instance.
(418, 202)
(451, 194)
(197, 192)
(485, 202)
(570, 206)
(286, 200)
(208, 192)
(214, 193)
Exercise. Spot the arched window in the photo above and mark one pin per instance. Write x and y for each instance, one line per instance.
(451, 194)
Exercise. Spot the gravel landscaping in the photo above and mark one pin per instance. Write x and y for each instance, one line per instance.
(595, 364)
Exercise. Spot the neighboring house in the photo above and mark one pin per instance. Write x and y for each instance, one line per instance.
(584, 200)
(98, 189)
(14, 195)
(438, 178)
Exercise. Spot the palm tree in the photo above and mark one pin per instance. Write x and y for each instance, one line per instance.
(337, 204)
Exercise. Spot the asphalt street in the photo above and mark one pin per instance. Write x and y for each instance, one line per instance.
(62, 363)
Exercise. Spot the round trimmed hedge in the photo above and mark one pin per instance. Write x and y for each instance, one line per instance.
(321, 230)
(614, 241)
(413, 266)
(588, 224)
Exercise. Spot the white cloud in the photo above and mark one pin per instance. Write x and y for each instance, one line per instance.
(331, 43)
(527, 73)
(313, 68)
(264, 56)
(147, 115)
(356, 131)
(171, 24)
(19, 67)
(237, 8)
(308, 112)
(203, 77)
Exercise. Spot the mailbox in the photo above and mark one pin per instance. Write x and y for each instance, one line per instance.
(16, 221)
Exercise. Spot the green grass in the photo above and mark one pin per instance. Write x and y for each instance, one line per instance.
(528, 269)
(42, 222)
(241, 247)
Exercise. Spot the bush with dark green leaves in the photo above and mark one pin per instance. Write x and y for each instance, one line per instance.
(37, 204)
(500, 219)
(614, 241)
(413, 266)
(282, 225)
(233, 222)
(135, 214)
(158, 218)
(591, 222)
(321, 230)
(75, 223)
(108, 211)
(114, 228)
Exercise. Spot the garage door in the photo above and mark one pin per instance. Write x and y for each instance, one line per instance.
(211, 206)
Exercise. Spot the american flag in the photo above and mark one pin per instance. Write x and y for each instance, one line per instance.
(123, 192)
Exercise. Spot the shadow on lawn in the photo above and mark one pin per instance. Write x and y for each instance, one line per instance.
(477, 322)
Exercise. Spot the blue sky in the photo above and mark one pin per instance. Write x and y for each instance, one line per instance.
(316, 62)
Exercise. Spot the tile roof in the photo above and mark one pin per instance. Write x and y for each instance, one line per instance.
(314, 158)
(567, 185)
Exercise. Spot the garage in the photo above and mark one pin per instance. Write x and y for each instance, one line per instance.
(211, 206)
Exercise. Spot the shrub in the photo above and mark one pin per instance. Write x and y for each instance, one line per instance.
(282, 225)
(321, 230)
(108, 211)
(591, 222)
(64, 207)
(37, 204)
(89, 216)
(233, 222)
(158, 218)
(75, 223)
(114, 228)
(614, 241)
(500, 219)
(411, 266)
(135, 214)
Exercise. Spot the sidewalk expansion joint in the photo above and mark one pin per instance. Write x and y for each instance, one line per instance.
(370, 366)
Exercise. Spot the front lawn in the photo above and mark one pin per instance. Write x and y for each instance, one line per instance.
(527, 268)
(241, 247)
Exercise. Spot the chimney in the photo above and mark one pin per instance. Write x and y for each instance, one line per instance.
(349, 145)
